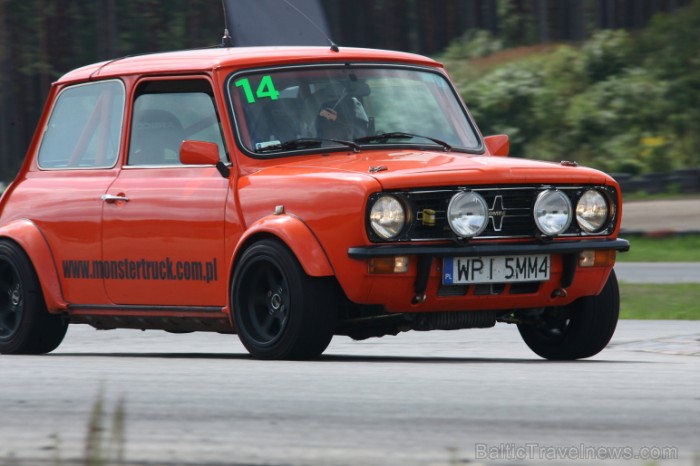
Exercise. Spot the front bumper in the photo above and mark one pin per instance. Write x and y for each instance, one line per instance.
(489, 249)
(568, 254)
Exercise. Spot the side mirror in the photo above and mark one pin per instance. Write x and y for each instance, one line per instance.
(497, 145)
(199, 153)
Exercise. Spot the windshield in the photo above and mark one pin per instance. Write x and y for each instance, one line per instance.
(281, 111)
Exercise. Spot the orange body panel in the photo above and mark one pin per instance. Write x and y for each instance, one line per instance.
(68, 219)
(178, 223)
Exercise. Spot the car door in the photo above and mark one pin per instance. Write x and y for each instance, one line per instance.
(76, 163)
(163, 222)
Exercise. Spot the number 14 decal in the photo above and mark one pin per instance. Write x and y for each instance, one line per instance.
(266, 89)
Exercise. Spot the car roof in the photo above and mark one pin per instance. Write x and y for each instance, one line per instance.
(204, 60)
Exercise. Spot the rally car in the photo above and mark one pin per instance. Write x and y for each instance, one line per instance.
(289, 194)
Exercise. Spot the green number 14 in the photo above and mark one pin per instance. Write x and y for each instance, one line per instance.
(266, 89)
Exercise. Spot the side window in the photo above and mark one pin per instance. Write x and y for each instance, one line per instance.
(84, 128)
(167, 113)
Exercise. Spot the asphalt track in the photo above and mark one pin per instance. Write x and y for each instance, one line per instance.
(437, 398)
(658, 272)
(661, 217)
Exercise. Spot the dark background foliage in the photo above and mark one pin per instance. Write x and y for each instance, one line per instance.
(42, 39)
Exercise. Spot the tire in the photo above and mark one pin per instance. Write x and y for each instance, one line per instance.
(26, 327)
(577, 331)
(279, 311)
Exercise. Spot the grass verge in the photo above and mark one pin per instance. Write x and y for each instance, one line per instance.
(679, 248)
(660, 302)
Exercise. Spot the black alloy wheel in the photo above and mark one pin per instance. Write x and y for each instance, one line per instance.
(279, 311)
(26, 327)
(579, 330)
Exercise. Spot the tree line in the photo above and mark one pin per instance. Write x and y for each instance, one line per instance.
(42, 39)
(624, 102)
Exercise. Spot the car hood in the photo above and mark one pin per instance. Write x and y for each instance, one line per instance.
(411, 169)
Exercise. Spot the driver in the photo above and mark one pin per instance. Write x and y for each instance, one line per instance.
(344, 119)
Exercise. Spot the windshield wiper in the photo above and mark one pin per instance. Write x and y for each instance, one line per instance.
(402, 135)
(304, 143)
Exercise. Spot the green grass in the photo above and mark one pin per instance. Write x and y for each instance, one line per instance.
(660, 302)
(667, 301)
(685, 248)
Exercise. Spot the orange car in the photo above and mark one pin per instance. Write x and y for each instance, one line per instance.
(292, 194)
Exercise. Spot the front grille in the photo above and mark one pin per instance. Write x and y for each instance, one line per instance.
(515, 204)
(510, 212)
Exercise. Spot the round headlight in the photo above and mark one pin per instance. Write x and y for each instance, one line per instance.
(592, 211)
(467, 214)
(387, 217)
(552, 212)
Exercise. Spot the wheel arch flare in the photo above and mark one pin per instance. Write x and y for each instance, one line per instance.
(296, 235)
(27, 235)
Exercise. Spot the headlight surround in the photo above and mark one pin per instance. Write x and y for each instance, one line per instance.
(592, 211)
(552, 212)
(467, 214)
(387, 217)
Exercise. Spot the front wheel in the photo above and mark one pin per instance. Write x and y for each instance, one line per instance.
(579, 330)
(279, 311)
(26, 327)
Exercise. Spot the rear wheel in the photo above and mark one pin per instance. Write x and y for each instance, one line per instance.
(577, 331)
(279, 311)
(26, 327)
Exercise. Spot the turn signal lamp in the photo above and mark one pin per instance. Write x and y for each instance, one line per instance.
(396, 264)
(597, 258)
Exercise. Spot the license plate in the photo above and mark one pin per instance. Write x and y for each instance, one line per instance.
(496, 269)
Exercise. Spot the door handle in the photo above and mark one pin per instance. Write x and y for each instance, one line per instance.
(111, 199)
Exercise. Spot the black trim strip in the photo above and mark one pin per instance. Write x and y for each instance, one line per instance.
(424, 263)
(108, 307)
(569, 272)
(491, 249)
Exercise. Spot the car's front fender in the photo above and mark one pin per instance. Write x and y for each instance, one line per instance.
(29, 237)
(298, 237)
